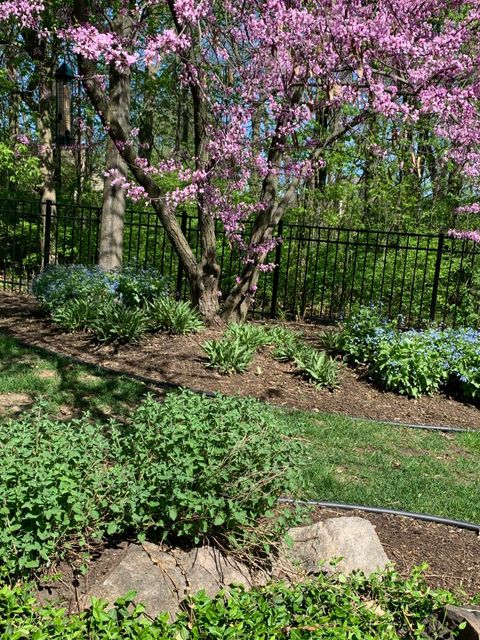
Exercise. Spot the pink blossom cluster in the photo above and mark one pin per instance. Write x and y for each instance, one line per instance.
(265, 69)
(469, 208)
(134, 191)
(465, 235)
(26, 12)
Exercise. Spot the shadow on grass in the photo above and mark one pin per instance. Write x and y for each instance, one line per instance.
(68, 389)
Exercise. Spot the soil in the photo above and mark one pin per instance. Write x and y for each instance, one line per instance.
(452, 556)
(179, 360)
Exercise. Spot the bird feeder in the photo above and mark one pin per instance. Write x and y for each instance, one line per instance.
(63, 83)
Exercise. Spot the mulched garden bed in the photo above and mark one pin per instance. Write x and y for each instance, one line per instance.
(181, 360)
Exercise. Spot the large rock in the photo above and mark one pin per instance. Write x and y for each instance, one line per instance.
(351, 538)
(163, 578)
(468, 616)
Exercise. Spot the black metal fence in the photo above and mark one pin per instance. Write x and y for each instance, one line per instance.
(322, 272)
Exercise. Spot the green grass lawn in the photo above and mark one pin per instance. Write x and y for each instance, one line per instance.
(352, 461)
(66, 390)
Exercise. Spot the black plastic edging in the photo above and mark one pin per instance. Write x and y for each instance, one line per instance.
(212, 394)
(459, 524)
(426, 427)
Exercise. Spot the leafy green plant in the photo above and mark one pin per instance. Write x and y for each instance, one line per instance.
(174, 316)
(200, 466)
(59, 284)
(286, 342)
(136, 287)
(75, 314)
(189, 467)
(317, 366)
(383, 606)
(252, 336)
(360, 334)
(54, 490)
(114, 322)
(330, 340)
(409, 363)
(228, 356)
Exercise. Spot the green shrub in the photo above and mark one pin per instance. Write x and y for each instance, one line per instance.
(136, 287)
(360, 333)
(252, 336)
(228, 356)
(75, 314)
(59, 284)
(188, 468)
(54, 490)
(200, 466)
(409, 363)
(381, 607)
(317, 366)
(114, 322)
(174, 316)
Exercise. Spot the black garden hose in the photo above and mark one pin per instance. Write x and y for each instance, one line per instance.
(459, 524)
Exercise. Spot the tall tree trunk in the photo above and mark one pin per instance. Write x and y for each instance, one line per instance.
(47, 157)
(204, 286)
(113, 208)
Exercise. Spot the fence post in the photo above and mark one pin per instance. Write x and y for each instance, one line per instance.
(276, 273)
(183, 225)
(47, 233)
(436, 277)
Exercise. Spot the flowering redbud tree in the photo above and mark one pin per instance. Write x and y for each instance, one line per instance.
(259, 73)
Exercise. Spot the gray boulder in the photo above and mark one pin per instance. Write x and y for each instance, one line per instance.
(163, 578)
(351, 538)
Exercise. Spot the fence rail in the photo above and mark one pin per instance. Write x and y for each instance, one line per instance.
(321, 274)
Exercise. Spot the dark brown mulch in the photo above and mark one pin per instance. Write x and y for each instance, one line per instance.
(180, 360)
(453, 555)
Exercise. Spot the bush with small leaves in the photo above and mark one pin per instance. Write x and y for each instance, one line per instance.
(190, 467)
(173, 316)
(75, 314)
(114, 322)
(228, 356)
(205, 466)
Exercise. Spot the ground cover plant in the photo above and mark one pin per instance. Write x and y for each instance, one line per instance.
(235, 352)
(381, 607)
(118, 306)
(413, 362)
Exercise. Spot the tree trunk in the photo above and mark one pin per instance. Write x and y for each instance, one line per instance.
(113, 208)
(47, 162)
